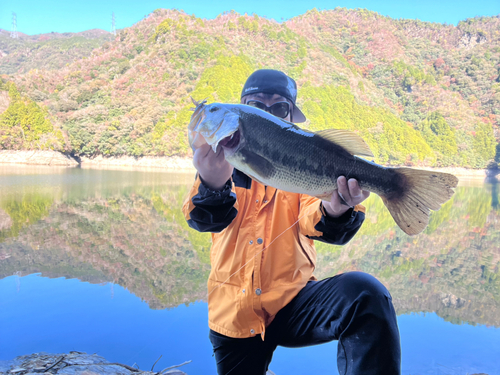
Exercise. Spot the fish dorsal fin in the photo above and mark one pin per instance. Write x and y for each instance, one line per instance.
(351, 142)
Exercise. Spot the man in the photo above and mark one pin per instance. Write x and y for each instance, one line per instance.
(261, 289)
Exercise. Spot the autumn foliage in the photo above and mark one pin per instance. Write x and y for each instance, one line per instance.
(419, 93)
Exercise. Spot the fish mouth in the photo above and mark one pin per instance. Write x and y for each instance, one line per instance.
(231, 142)
(214, 125)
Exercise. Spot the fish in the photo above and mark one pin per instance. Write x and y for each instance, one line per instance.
(280, 154)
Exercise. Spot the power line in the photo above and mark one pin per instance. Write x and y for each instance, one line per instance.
(113, 24)
(13, 32)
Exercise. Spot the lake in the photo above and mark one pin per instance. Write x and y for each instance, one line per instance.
(102, 261)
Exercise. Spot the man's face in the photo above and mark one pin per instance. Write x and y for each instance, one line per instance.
(268, 100)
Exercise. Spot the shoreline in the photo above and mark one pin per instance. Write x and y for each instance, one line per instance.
(152, 163)
(169, 163)
(51, 158)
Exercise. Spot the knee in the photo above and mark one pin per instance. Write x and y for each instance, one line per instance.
(370, 300)
(363, 284)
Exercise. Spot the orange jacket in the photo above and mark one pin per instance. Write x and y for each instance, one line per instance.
(261, 256)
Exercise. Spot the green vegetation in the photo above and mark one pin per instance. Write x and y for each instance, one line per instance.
(411, 75)
(484, 142)
(24, 213)
(220, 83)
(390, 139)
(441, 138)
(339, 57)
(24, 125)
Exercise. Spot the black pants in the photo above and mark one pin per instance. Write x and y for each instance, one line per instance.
(353, 308)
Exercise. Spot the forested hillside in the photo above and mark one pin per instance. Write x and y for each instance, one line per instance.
(47, 51)
(419, 93)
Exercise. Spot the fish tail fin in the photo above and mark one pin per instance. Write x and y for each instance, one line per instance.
(422, 191)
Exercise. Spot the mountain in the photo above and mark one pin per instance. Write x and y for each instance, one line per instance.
(47, 51)
(419, 93)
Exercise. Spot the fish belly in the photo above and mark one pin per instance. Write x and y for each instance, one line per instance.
(285, 177)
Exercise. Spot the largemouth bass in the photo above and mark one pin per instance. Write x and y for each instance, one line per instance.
(278, 153)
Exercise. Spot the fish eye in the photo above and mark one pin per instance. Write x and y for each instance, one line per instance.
(213, 109)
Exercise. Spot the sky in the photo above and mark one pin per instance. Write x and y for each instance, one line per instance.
(44, 16)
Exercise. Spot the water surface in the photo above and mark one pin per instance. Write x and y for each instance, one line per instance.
(103, 261)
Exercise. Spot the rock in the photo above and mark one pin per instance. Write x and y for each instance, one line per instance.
(451, 300)
(95, 369)
(80, 361)
(73, 363)
(7, 365)
(470, 40)
(17, 370)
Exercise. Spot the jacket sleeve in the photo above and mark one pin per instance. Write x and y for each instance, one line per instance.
(318, 225)
(207, 210)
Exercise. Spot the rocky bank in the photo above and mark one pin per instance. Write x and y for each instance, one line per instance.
(39, 157)
(55, 158)
(76, 363)
(165, 162)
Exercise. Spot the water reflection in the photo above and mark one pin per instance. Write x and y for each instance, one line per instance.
(492, 183)
(127, 228)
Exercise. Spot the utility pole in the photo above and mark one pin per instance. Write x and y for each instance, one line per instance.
(13, 32)
(113, 24)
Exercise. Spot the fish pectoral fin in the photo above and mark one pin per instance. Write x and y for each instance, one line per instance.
(348, 140)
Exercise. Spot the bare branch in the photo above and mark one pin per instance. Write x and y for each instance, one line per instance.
(156, 363)
(171, 367)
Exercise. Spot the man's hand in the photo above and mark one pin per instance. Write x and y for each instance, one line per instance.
(212, 167)
(350, 192)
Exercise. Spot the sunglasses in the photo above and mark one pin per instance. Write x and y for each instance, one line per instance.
(280, 109)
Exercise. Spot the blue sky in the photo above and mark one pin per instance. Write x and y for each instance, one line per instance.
(42, 16)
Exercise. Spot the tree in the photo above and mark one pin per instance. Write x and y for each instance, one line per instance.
(25, 123)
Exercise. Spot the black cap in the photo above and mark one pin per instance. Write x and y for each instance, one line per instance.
(270, 81)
